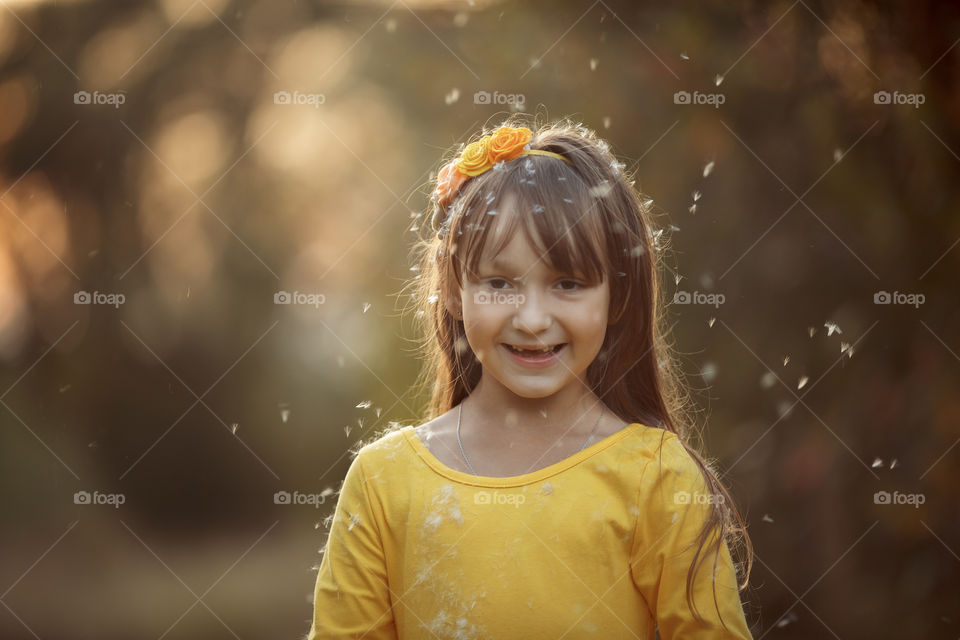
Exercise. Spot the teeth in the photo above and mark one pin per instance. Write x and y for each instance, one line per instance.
(522, 350)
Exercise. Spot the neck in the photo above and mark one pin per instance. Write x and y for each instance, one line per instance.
(497, 410)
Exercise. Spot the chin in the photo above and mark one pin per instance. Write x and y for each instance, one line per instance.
(532, 389)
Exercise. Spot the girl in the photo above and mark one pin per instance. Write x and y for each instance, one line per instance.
(553, 493)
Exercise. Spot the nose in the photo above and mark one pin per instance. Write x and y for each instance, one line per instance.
(532, 314)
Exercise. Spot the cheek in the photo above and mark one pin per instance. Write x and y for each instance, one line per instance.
(592, 322)
(479, 328)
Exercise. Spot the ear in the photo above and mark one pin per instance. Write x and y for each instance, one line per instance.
(454, 305)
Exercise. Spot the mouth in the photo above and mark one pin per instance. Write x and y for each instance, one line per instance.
(534, 352)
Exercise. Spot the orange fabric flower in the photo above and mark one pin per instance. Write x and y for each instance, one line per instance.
(506, 143)
(449, 182)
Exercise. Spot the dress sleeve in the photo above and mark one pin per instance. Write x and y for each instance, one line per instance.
(352, 599)
(673, 506)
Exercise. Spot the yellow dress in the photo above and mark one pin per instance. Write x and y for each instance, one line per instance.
(594, 546)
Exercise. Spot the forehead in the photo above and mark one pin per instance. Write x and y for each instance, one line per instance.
(508, 244)
(516, 253)
(524, 230)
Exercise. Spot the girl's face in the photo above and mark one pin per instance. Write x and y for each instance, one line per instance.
(516, 300)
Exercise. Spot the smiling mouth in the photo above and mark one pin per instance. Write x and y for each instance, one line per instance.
(534, 352)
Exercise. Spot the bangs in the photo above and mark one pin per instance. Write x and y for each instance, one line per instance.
(560, 217)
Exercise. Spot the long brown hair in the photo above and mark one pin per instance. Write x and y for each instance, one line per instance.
(586, 217)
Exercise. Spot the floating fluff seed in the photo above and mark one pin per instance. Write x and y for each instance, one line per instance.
(601, 190)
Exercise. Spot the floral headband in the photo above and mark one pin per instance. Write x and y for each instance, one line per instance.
(504, 144)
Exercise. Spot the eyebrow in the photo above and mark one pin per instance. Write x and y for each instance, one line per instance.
(500, 265)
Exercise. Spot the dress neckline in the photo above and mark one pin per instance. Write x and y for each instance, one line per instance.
(519, 480)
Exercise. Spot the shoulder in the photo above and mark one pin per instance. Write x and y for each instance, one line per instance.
(439, 436)
(439, 433)
(443, 425)
(376, 462)
(381, 445)
(657, 443)
(668, 459)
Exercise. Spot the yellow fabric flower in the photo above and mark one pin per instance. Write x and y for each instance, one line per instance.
(475, 159)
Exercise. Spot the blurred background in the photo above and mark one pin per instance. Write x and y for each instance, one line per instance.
(172, 172)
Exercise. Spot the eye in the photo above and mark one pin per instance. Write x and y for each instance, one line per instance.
(575, 285)
(492, 282)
